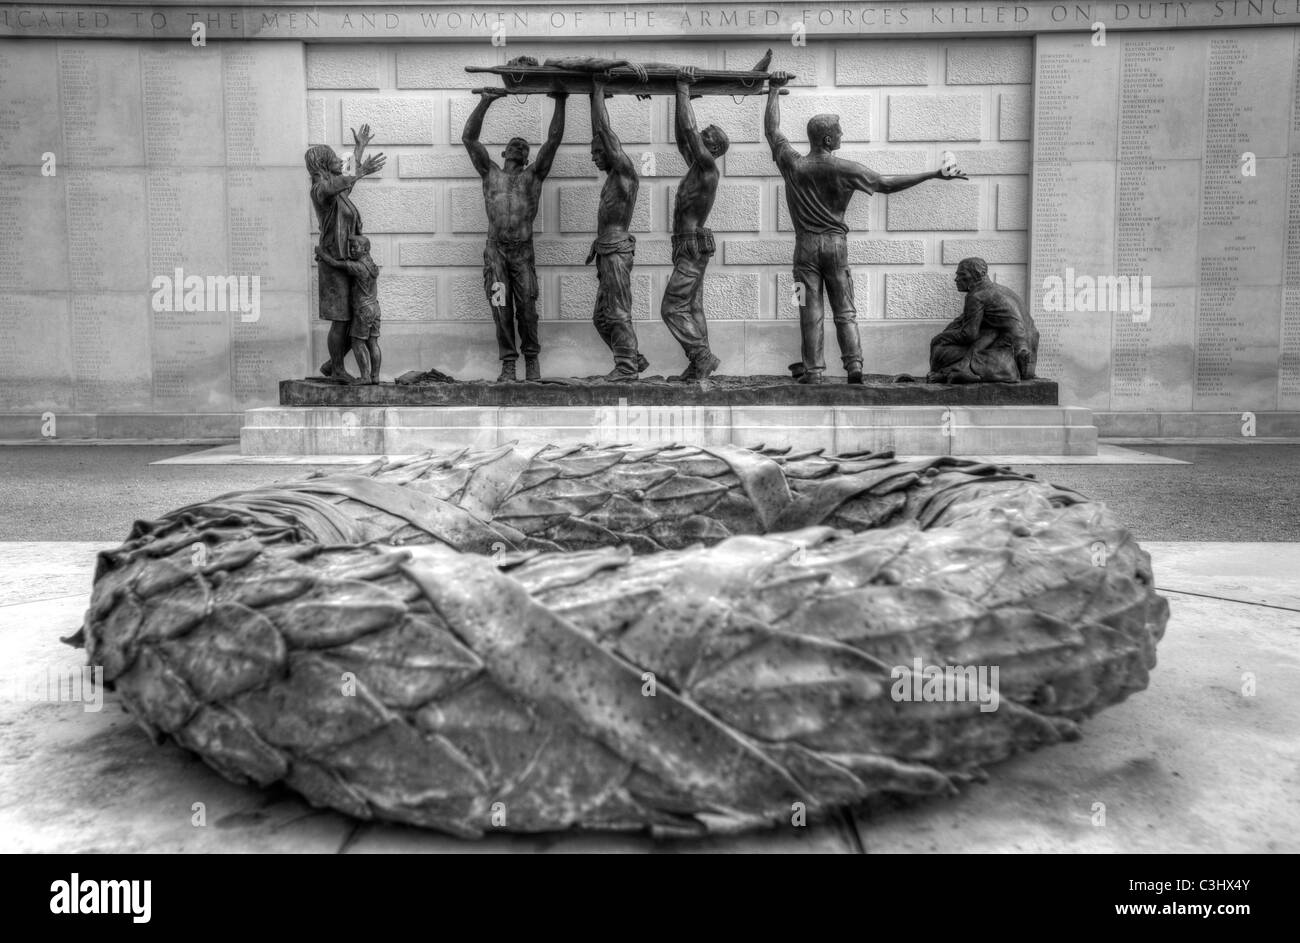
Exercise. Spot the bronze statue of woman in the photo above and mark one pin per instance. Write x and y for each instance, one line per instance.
(339, 221)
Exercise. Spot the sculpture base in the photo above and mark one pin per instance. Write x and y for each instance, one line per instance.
(930, 420)
(877, 390)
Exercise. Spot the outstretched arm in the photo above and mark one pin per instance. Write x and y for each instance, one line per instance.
(903, 181)
(600, 127)
(689, 143)
(772, 117)
(546, 156)
(478, 154)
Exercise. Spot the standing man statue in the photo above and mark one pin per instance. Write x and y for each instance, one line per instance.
(818, 188)
(511, 195)
(614, 246)
(683, 304)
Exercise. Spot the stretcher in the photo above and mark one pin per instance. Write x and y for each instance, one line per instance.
(623, 80)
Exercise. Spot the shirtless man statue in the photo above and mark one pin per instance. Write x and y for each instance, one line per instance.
(614, 246)
(818, 188)
(682, 308)
(511, 195)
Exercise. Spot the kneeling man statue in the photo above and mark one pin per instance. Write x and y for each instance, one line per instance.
(994, 338)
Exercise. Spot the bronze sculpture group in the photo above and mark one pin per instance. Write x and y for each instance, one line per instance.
(993, 340)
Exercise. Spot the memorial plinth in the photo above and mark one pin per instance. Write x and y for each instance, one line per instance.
(322, 418)
(657, 391)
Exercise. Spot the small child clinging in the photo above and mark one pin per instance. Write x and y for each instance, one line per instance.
(363, 329)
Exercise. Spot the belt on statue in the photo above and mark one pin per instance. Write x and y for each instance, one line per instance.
(697, 242)
(610, 245)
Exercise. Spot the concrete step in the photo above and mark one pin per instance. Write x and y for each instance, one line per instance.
(932, 430)
(1234, 424)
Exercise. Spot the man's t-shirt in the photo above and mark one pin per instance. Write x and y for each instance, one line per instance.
(818, 189)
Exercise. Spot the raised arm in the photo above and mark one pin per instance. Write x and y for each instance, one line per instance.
(478, 154)
(359, 141)
(600, 127)
(772, 116)
(546, 156)
(369, 165)
(689, 143)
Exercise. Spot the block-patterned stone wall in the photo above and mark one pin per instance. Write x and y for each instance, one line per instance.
(902, 104)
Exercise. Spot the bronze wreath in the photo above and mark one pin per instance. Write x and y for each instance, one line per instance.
(684, 639)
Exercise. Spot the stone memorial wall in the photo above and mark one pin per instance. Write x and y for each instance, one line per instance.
(1167, 205)
(154, 256)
